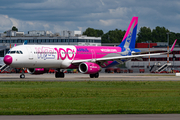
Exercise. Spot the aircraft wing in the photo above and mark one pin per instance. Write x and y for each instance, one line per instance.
(123, 57)
(143, 52)
(130, 57)
(116, 58)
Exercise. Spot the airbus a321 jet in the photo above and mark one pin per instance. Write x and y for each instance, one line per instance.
(88, 59)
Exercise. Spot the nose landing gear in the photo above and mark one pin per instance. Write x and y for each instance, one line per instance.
(22, 74)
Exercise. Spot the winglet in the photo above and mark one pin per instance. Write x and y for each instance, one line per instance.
(173, 46)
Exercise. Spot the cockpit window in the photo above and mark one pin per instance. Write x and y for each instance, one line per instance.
(12, 52)
(21, 52)
(15, 52)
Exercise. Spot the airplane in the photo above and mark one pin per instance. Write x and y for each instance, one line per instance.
(87, 59)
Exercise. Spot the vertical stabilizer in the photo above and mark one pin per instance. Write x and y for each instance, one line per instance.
(129, 39)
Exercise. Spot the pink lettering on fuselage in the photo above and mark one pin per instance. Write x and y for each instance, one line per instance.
(63, 54)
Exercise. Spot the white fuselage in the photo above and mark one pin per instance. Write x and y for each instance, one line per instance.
(42, 56)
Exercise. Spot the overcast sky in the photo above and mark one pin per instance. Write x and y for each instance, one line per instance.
(58, 15)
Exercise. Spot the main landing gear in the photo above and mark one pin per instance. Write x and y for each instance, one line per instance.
(22, 74)
(96, 75)
(59, 74)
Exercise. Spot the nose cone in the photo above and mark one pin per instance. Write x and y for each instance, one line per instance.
(8, 59)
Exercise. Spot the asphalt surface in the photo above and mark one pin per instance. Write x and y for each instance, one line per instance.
(95, 117)
(102, 77)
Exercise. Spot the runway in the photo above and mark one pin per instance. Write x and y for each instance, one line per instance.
(85, 77)
(95, 117)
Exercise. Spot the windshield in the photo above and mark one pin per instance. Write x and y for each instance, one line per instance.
(15, 52)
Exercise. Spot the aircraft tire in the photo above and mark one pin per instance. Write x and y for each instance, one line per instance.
(92, 75)
(56, 75)
(96, 75)
(59, 75)
(22, 76)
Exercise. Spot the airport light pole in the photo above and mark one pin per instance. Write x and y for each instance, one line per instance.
(10, 39)
(168, 46)
(149, 41)
(174, 58)
(149, 56)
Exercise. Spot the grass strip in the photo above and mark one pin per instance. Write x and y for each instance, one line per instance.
(89, 97)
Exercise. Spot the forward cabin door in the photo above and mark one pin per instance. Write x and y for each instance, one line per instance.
(30, 53)
(31, 62)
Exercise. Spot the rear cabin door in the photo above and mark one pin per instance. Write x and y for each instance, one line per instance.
(93, 54)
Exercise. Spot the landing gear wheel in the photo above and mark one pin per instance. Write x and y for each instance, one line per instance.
(59, 75)
(96, 75)
(91, 75)
(22, 76)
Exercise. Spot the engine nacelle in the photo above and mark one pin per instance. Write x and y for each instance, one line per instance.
(89, 68)
(37, 70)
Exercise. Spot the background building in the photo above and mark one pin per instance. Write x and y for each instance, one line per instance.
(46, 38)
(39, 33)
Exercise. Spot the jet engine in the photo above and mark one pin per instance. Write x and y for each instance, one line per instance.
(89, 68)
(37, 70)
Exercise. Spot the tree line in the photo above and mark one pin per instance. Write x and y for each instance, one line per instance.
(145, 34)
